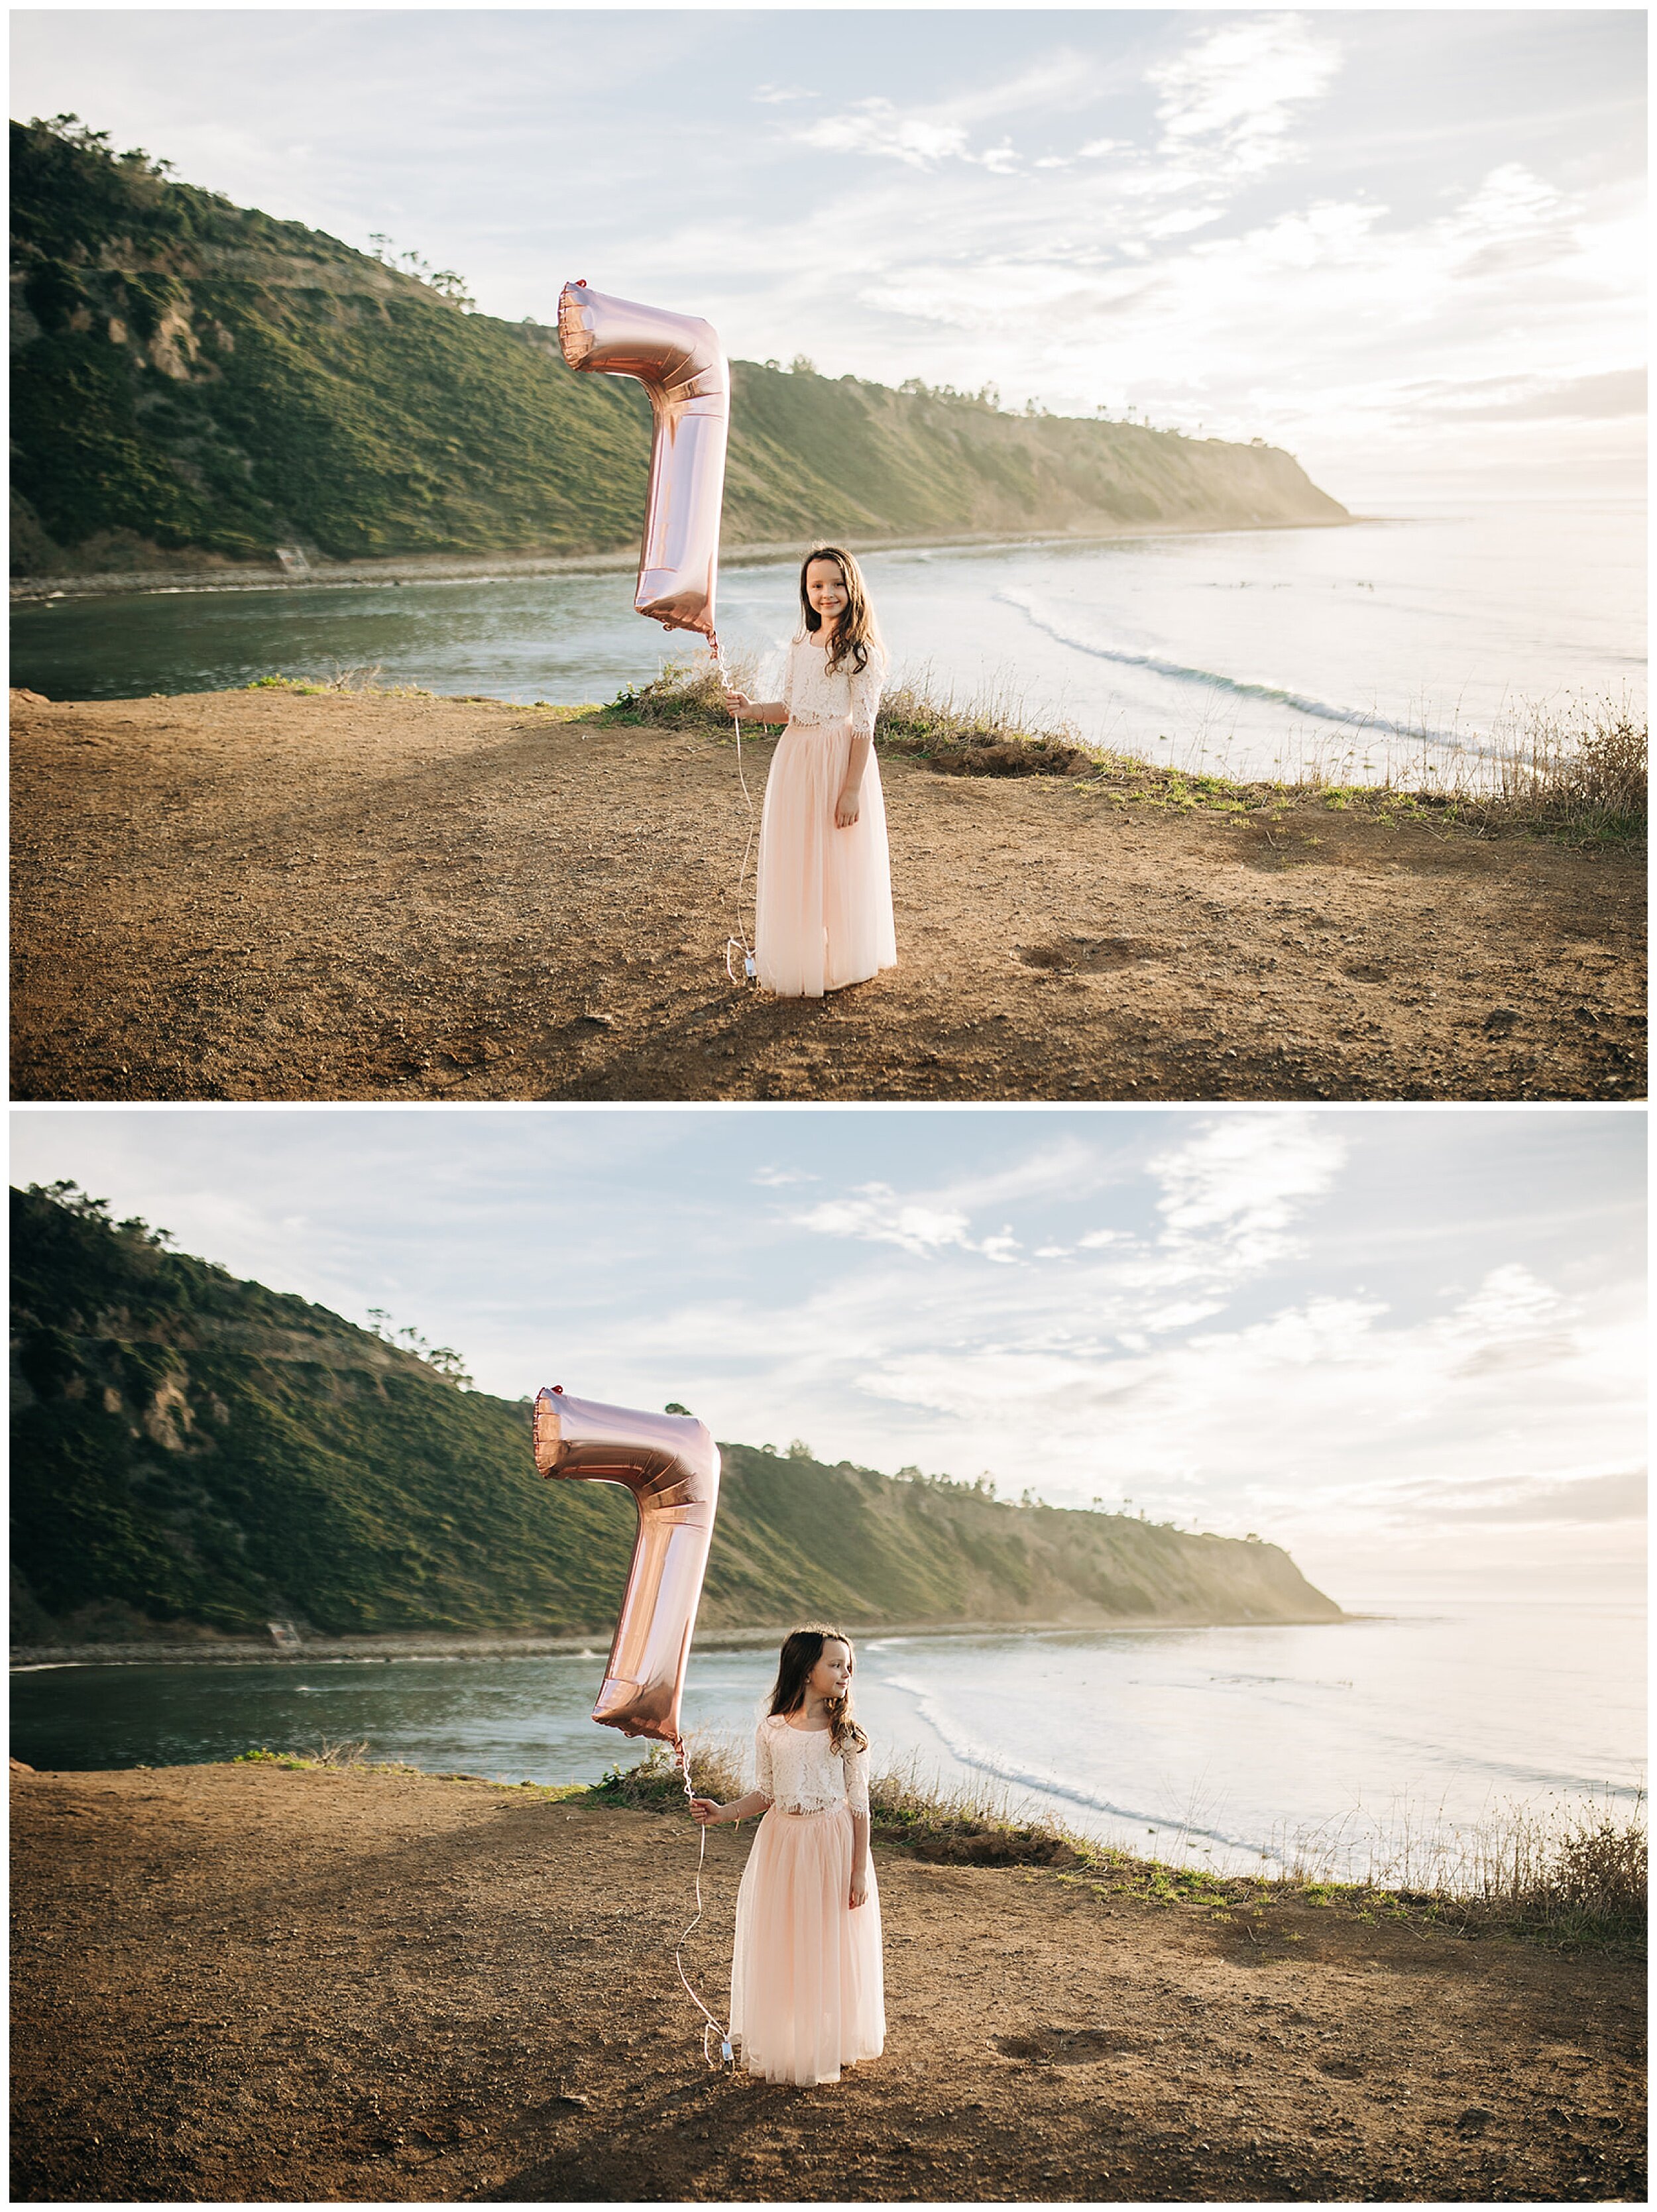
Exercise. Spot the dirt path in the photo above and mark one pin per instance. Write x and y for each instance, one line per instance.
(257, 1984)
(267, 895)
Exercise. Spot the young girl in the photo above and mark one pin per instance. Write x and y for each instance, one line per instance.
(806, 1992)
(825, 894)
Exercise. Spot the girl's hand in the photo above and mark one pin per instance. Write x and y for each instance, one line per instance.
(859, 1888)
(735, 700)
(705, 1811)
(847, 807)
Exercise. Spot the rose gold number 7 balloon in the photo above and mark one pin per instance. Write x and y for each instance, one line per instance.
(671, 1464)
(678, 360)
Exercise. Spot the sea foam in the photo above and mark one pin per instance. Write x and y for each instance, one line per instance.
(1361, 721)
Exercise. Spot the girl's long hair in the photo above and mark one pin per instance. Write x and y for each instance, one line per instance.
(858, 633)
(802, 1649)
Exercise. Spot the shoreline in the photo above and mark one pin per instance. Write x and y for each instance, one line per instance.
(377, 1650)
(507, 567)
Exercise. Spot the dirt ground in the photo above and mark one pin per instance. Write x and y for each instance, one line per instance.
(251, 1983)
(267, 895)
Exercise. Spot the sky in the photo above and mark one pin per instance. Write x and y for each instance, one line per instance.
(1406, 1343)
(1406, 245)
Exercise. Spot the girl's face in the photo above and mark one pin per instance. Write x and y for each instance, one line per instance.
(831, 1676)
(826, 588)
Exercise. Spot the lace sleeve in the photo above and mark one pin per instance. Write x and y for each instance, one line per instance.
(763, 1781)
(864, 687)
(856, 1772)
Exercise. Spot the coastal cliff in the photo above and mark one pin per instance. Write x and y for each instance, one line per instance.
(196, 386)
(196, 1456)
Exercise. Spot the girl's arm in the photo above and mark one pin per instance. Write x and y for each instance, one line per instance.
(747, 710)
(704, 1810)
(769, 710)
(759, 1800)
(847, 805)
(863, 691)
(855, 1767)
(859, 1859)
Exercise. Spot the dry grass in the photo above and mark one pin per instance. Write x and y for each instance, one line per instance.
(962, 1826)
(992, 735)
(983, 738)
(1576, 774)
(324, 1752)
(340, 677)
(1554, 1863)
(1579, 1873)
(968, 1827)
(1579, 774)
(685, 691)
(1575, 1874)
(355, 1757)
(654, 1782)
(1572, 1871)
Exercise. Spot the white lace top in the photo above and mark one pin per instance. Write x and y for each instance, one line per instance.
(799, 1773)
(812, 695)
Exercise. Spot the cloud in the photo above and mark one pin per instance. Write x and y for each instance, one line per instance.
(1230, 1196)
(1334, 325)
(1244, 1180)
(920, 140)
(1587, 1499)
(1613, 394)
(876, 126)
(1228, 96)
(1511, 203)
(1511, 1321)
(877, 1215)
(1183, 1313)
(924, 137)
(1328, 1419)
(932, 1219)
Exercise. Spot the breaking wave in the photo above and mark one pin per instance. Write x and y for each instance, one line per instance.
(1002, 1767)
(1299, 702)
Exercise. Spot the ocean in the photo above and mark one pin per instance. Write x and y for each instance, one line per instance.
(1369, 1744)
(1399, 644)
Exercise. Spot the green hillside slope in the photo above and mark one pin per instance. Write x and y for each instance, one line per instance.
(193, 1451)
(194, 381)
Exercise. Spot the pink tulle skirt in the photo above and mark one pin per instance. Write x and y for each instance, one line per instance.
(807, 1994)
(825, 894)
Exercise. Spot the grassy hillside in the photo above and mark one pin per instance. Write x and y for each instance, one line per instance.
(197, 382)
(194, 1452)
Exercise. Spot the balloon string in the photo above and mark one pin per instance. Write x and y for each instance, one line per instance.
(749, 966)
(724, 2033)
